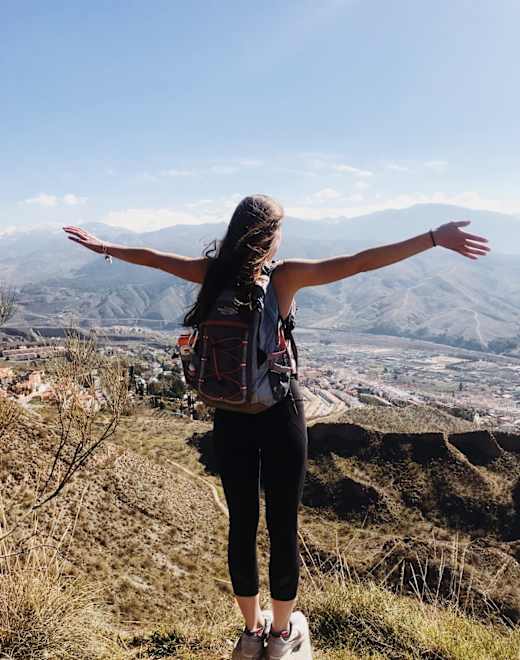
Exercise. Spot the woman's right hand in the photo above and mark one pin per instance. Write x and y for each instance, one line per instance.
(83, 237)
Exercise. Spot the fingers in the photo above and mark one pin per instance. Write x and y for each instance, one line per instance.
(474, 250)
(475, 237)
(77, 231)
(470, 243)
(462, 223)
(74, 231)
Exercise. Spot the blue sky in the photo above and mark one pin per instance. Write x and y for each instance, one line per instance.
(146, 114)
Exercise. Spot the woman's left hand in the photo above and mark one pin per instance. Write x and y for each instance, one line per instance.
(450, 236)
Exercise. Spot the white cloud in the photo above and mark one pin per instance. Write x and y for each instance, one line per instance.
(222, 169)
(251, 163)
(361, 185)
(290, 170)
(397, 168)
(317, 163)
(468, 199)
(174, 172)
(150, 219)
(213, 169)
(352, 170)
(200, 202)
(73, 200)
(29, 228)
(7, 231)
(436, 165)
(145, 176)
(43, 199)
(326, 194)
(47, 201)
(323, 161)
(321, 155)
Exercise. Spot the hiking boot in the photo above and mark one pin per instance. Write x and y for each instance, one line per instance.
(289, 640)
(251, 647)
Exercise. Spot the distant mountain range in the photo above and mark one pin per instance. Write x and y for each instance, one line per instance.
(437, 295)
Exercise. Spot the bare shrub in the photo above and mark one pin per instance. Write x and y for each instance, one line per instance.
(7, 303)
(89, 394)
(10, 415)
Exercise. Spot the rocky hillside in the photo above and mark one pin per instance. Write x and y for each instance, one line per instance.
(438, 496)
(436, 295)
(436, 499)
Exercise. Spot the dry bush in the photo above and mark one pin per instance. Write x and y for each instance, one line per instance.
(7, 303)
(359, 618)
(43, 612)
(90, 394)
(10, 415)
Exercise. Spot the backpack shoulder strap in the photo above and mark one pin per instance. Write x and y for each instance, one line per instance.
(289, 322)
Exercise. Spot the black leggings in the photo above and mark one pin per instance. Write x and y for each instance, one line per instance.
(268, 448)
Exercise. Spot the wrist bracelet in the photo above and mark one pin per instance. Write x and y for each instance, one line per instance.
(433, 239)
(105, 252)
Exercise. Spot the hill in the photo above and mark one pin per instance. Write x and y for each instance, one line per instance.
(437, 499)
(437, 295)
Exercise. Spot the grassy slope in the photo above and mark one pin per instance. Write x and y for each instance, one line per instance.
(156, 538)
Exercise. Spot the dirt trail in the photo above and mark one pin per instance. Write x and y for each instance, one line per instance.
(213, 489)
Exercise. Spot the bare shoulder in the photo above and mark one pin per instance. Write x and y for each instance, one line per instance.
(282, 286)
(290, 273)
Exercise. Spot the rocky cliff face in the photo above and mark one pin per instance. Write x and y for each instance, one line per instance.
(442, 506)
(436, 512)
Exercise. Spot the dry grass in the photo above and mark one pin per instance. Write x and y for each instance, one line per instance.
(45, 614)
(349, 619)
(411, 418)
(366, 621)
(359, 619)
(154, 537)
(147, 530)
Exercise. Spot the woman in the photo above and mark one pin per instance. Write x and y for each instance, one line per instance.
(278, 435)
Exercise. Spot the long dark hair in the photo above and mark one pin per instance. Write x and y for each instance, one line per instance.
(240, 255)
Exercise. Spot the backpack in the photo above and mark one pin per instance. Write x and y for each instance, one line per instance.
(238, 358)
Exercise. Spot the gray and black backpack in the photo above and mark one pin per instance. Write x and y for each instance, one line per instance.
(242, 355)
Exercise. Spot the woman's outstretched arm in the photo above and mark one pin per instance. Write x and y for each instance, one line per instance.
(312, 272)
(192, 269)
